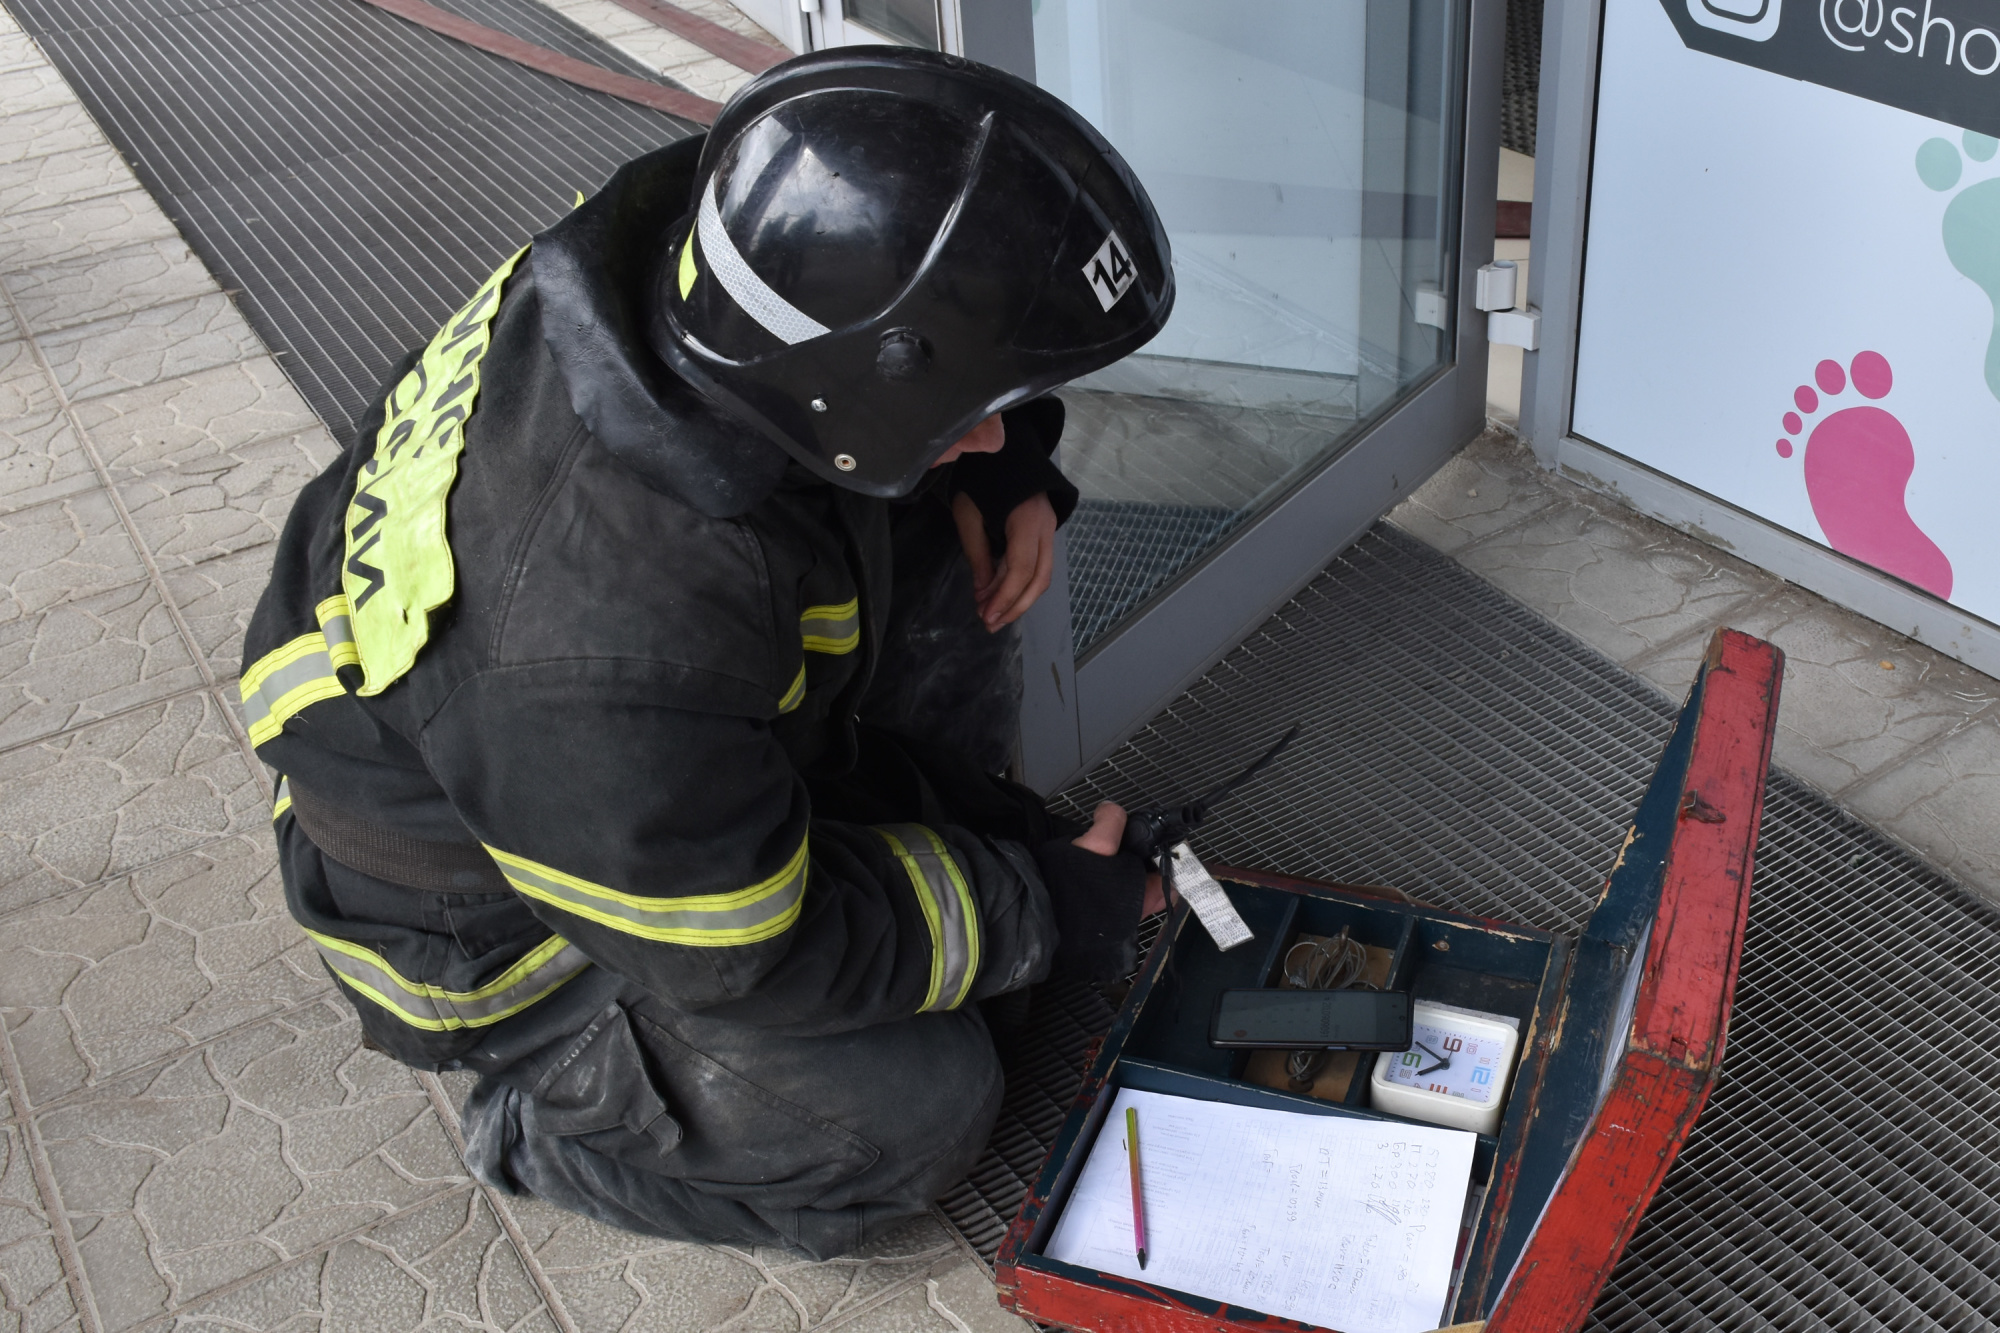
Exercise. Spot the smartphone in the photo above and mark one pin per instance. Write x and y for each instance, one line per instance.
(1290, 1020)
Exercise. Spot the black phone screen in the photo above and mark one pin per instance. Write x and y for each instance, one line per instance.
(1361, 1020)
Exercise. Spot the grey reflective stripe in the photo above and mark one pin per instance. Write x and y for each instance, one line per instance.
(716, 920)
(436, 1009)
(774, 312)
(285, 681)
(948, 908)
(339, 632)
(831, 629)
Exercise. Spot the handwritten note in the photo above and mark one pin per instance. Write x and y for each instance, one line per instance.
(1346, 1223)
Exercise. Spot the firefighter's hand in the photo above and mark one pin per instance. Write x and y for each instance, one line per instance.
(1007, 589)
(1106, 832)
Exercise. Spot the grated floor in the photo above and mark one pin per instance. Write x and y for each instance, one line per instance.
(1847, 1172)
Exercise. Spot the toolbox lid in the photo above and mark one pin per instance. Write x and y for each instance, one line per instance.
(1637, 1038)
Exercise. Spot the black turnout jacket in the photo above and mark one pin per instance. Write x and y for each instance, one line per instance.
(638, 703)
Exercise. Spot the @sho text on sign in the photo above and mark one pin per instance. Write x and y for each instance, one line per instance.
(1938, 58)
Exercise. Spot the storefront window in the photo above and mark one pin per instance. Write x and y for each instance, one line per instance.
(910, 22)
(1305, 159)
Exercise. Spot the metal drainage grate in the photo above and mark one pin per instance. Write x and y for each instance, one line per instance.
(351, 176)
(1846, 1174)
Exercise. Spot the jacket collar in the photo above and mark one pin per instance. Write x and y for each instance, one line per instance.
(594, 272)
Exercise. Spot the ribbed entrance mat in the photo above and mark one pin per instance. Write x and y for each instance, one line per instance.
(352, 177)
(1846, 1174)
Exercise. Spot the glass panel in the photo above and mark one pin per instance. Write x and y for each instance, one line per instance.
(1304, 156)
(911, 22)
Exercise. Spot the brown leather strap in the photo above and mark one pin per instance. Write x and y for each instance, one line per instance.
(746, 53)
(585, 75)
(374, 849)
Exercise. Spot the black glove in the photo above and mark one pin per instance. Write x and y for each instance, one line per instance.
(1097, 901)
(998, 483)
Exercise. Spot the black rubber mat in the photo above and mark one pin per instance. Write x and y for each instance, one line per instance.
(349, 175)
(1846, 1174)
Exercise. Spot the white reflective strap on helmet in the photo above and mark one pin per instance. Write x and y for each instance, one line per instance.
(774, 312)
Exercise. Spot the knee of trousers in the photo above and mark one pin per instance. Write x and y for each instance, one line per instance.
(722, 1133)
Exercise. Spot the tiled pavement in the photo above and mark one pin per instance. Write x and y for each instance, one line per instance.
(190, 1132)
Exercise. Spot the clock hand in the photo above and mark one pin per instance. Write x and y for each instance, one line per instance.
(1443, 1061)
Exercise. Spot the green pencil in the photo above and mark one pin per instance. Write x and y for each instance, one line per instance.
(1138, 1195)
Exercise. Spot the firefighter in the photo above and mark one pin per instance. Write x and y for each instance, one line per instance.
(639, 675)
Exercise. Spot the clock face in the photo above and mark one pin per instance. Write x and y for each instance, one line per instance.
(1457, 1062)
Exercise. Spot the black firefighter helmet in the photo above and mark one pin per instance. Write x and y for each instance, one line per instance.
(886, 245)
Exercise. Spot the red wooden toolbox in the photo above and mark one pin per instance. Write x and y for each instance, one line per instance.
(1621, 1035)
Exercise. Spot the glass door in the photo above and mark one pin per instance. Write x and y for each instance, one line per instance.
(1310, 161)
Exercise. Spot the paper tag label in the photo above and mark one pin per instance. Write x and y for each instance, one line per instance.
(1209, 900)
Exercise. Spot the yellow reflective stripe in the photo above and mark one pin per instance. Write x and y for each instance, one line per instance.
(948, 910)
(831, 629)
(795, 695)
(283, 802)
(337, 625)
(687, 274)
(715, 920)
(285, 681)
(397, 564)
(435, 1009)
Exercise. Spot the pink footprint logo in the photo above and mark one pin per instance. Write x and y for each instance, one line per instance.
(1858, 464)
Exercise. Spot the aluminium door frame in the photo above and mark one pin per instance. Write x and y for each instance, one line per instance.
(1565, 139)
(1073, 714)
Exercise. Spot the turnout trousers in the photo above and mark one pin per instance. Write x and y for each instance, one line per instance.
(608, 1102)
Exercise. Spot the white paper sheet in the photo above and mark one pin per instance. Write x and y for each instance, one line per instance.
(1345, 1223)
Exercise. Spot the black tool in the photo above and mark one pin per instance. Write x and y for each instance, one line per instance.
(1156, 830)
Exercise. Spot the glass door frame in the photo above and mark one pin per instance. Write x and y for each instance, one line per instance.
(1073, 713)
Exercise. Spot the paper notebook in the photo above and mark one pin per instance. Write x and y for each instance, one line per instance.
(1346, 1223)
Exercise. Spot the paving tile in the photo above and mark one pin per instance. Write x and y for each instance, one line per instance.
(1491, 484)
(445, 1265)
(124, 793)
(83, 660)
(608, 1278)
(1944, 802)
(18, 51)
(62, 551)
(1622, 585)
(603, 17)
(31, 84)
(65, 178)
(41, 458)
(33, 1293)
(97, 286)
(1843, 716)
(261, 1147)
(148, 346)
(140, 969)
(194, 417)
(77, 228)
(201, 510)
(216, 599)
(47, 131)
(962, 1300)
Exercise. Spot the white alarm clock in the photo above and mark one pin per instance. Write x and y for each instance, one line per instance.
(1456, 1070)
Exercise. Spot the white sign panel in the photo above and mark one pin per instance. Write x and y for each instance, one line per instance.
(1790, 290)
